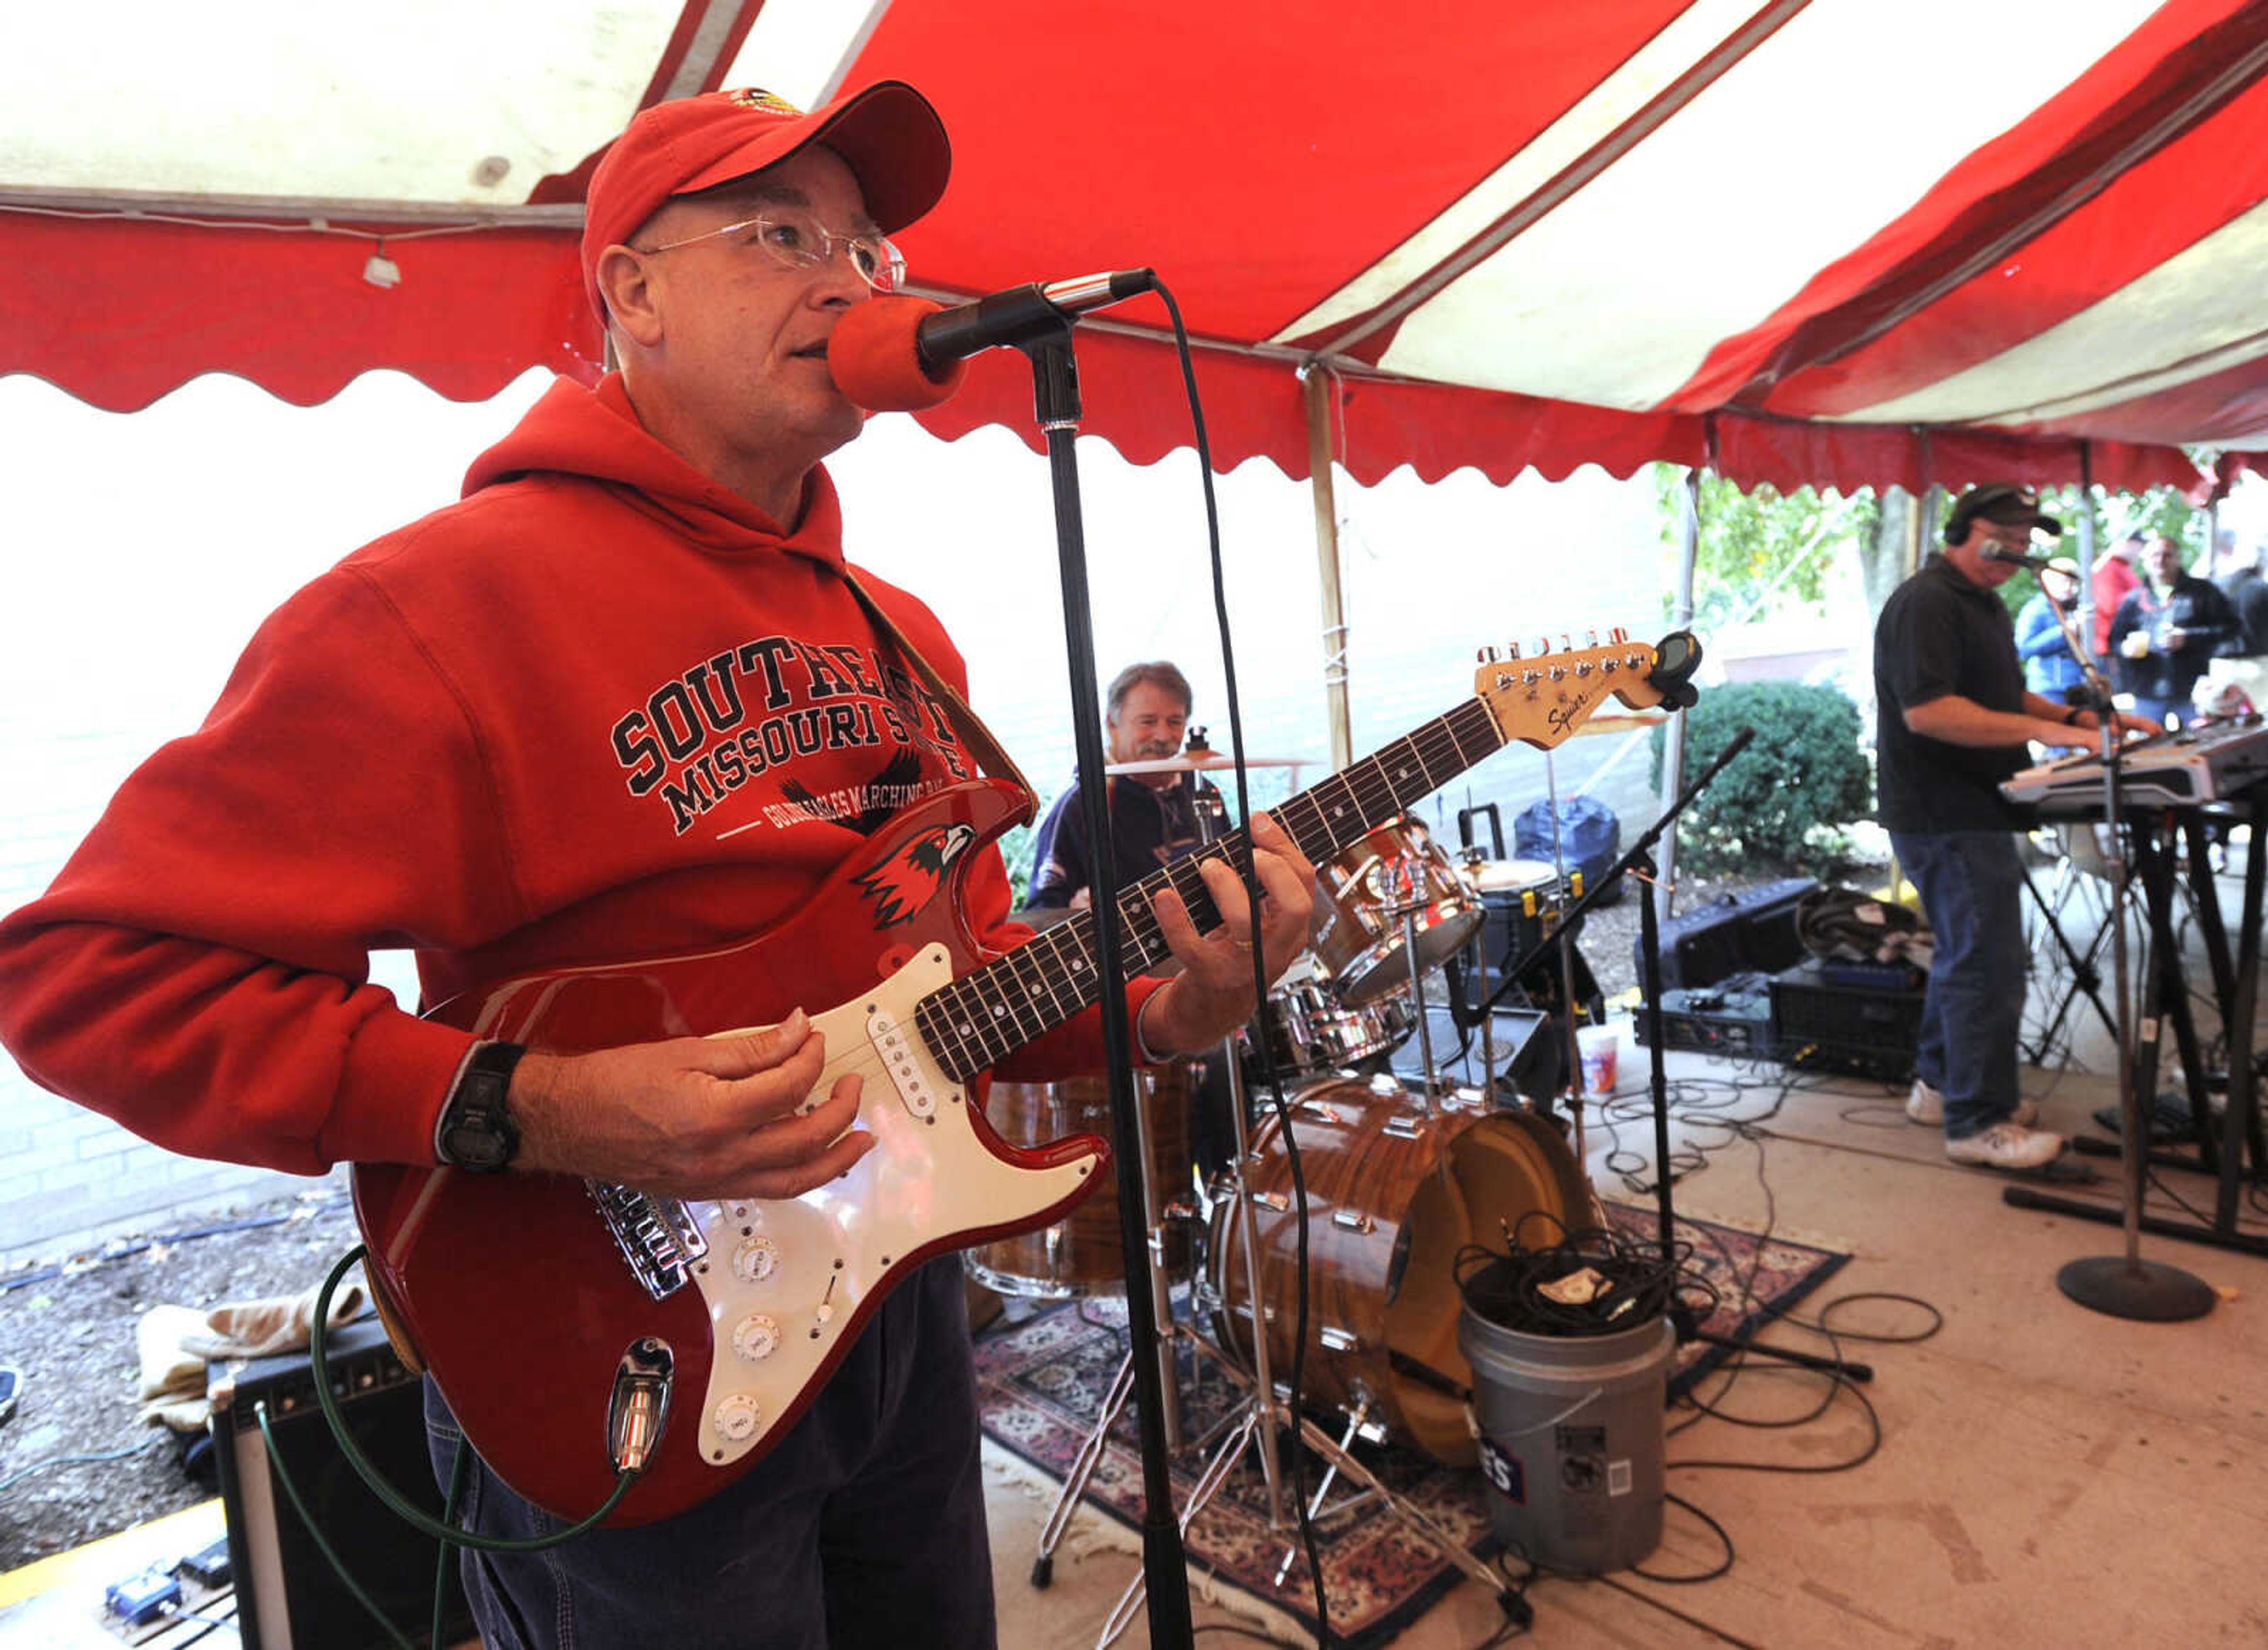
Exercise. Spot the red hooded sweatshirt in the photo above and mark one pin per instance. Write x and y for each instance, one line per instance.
(601, 709)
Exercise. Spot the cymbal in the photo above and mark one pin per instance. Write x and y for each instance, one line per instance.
(1205, 761)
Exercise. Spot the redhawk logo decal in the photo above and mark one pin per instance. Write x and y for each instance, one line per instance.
(905, 882)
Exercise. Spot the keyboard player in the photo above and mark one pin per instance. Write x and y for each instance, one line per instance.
(1954, 720)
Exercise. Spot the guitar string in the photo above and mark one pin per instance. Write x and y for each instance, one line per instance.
(1303, 816)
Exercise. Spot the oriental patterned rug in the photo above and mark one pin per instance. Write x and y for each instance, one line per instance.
(1041, 1382)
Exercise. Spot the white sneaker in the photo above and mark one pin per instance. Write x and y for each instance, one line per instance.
(1926, 1105)
(2007, 1146)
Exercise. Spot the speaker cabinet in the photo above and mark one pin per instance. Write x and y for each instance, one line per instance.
(288, 1596)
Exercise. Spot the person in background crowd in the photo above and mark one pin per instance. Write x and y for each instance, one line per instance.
(2236, 574)
(2116, 573)
(2048, 667)
(1954, 720)
(2166, 630)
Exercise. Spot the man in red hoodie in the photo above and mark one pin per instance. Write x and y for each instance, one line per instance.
(619, 702)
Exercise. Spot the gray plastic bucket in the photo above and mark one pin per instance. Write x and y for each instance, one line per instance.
(1571, 1440)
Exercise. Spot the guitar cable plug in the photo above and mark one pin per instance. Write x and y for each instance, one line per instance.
(638, 1412)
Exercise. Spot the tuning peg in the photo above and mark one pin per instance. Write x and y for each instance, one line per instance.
(1616, 636)
(1590, 638)
(1485, 655)
(1511, 651)
(1543, 645)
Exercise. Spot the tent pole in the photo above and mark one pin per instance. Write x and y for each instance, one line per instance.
(1317, 384)
(1673, 755)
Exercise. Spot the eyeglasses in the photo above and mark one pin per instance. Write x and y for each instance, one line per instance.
(797, 240)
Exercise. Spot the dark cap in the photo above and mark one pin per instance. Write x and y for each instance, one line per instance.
(2002, 502)
(887, 132)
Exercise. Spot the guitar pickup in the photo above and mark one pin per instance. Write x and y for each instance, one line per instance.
(896, 1048)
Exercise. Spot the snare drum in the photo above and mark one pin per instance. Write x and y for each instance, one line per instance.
(1311, 1032)
(1367, 886)
(1081, 1255)
(1393, 1194)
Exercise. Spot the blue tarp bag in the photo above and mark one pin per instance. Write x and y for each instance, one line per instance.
(1590, 837)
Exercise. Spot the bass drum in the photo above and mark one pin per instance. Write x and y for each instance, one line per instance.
(1392, 1197)
(1080, 1255)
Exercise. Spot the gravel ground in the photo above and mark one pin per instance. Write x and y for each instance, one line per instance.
(68, 1326)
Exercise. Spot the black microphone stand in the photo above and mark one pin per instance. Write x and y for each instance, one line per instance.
(1639, 860)
(1047, 344)
(2123, 1286)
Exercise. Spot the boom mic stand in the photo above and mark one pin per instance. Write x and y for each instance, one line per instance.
(1639, 859)
(1047, 344)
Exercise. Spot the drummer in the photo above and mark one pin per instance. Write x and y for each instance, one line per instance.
(1153, 821)
(1153, 816)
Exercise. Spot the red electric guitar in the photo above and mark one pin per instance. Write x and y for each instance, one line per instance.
(542, 1304)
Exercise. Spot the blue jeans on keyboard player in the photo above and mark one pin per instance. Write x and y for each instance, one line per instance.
(1971, 885)
(865, 1527)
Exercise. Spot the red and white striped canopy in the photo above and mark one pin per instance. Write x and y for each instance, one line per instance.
(1838, 241)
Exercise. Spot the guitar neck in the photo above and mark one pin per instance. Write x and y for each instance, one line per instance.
(988, 1013)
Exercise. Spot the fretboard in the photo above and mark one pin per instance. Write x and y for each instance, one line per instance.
(990, 1012)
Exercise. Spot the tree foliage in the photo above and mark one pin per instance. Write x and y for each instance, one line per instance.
(1760, 542)
(1784, 803)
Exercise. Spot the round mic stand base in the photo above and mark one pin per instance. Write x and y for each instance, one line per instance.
(2147, 1292)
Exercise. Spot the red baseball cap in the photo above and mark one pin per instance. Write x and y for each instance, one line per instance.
(889, 134)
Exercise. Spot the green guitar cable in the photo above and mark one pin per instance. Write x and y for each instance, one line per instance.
(415, 1517)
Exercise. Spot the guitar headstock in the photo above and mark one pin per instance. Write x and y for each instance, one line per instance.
(1543, 695)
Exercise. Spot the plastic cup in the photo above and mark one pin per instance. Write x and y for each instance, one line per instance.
(1599, 1046)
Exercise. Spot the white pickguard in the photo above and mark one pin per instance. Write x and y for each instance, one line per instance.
(927, 1178)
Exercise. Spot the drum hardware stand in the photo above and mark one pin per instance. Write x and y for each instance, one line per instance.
(2126, 1285)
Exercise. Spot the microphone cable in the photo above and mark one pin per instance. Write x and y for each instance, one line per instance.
(1260, 983)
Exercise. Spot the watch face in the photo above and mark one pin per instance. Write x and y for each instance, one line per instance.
(474, 1143)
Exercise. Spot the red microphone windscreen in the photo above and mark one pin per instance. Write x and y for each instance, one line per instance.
(874, 357)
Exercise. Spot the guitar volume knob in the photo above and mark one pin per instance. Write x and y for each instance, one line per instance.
(756, 1259)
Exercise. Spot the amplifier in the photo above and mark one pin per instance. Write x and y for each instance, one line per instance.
(1528, 1058)
(1866, 1030)
(1732, 1019)
(288, 1596)
(1734, 934)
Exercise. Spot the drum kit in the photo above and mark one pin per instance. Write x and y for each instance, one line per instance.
(1401, 1174)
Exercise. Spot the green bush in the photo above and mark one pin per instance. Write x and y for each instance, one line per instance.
(1782, 805)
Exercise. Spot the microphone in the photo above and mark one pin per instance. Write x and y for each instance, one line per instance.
(903, 354)
(2001, 553)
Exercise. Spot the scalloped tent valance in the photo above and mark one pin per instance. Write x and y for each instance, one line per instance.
(1835, 241)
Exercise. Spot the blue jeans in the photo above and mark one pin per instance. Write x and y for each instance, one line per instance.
(865, 1527)
(1972, 886)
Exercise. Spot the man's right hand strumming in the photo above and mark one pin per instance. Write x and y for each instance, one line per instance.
(692, 1116)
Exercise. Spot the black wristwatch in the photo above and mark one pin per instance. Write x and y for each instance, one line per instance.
(478, 1134)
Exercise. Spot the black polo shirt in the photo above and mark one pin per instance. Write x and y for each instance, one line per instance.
(1939, 635)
